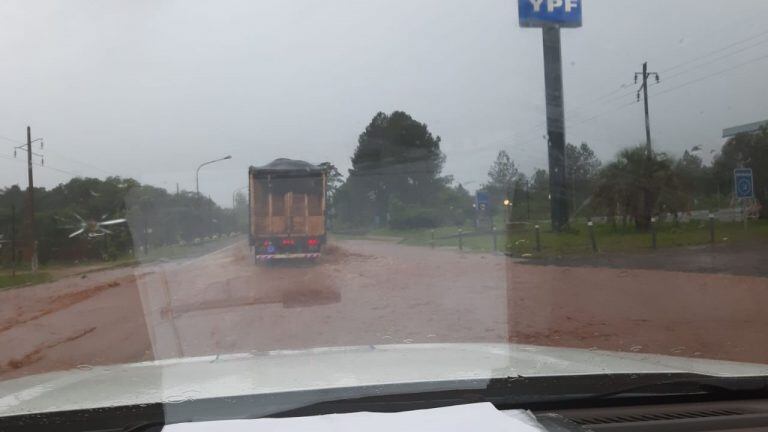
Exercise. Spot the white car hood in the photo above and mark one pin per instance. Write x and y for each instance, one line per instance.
(176, 380)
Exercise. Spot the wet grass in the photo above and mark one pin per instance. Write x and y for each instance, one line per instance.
(520, 239)
(443, 237)
(22, 279)
(576, 242)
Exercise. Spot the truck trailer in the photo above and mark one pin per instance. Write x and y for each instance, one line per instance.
(287, 210)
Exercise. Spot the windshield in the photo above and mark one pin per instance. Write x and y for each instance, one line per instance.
(199, 200)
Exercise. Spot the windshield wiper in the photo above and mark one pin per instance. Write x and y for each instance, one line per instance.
(687, 385)
(555, 391)
(538, 393)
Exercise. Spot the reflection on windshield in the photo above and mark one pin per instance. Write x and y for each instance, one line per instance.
(199, 196)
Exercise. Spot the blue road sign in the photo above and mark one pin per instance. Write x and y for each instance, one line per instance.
(543, 13)
(742, 180)
(482, 200)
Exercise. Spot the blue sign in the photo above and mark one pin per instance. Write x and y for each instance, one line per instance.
(544, 13)
(482, 200)
(742, 179)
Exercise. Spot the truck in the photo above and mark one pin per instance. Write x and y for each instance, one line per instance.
(287, 210)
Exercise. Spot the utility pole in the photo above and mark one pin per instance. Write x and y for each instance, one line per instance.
(31, 204)
(528, 201)
(647, 198)
(644, 88)
(31, 232)
(13, 240)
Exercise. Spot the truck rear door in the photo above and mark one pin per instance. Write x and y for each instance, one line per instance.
(298, 213)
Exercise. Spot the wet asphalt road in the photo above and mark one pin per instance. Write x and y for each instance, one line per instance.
(373, 292)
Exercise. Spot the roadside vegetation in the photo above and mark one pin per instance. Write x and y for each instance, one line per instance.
(520, 240)
(22, 279)
(54, 270)
(396, 189)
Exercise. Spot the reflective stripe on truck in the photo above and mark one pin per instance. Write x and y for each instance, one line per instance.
(287, 256)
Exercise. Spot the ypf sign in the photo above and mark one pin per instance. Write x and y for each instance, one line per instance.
(544, 13)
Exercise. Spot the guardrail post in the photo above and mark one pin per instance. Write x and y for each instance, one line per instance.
(493, 229)
(653, 232)
(461, 239)
(538, 238)
(711, 228)
(432, 238)
(591, 226)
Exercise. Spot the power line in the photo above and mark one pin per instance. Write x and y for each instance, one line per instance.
(611, 96)
(80, 162)
(70, 173)
(719, 50)
(732, 53)
(11, 140)
(72, 160)
(575, 110)
(720, 72)
(685, 84)
(48, 166)
(608, 111)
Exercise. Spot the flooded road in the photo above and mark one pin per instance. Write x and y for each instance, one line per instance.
(373, 292)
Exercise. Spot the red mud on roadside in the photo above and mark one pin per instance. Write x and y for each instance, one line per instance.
(36, 354)
(55, 304)
(63, 324)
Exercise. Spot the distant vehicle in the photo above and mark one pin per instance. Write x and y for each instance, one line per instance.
(287, 210)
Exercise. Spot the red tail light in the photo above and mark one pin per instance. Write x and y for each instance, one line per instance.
(313, 242)
(266, 243)
(288, 242)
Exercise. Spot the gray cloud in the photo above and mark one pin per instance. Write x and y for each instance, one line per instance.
(150, 89)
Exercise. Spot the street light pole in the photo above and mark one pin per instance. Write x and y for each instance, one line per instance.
(197, 173)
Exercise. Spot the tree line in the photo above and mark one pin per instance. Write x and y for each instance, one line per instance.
(396, 180)
(155, 218)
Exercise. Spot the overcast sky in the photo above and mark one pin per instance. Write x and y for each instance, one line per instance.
(151, 88)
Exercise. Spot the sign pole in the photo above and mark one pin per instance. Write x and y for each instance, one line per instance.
(550, 15)
(553, 81)
(744, 189)
(744, 212)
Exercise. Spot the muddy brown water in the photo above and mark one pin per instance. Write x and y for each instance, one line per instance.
(370, 292)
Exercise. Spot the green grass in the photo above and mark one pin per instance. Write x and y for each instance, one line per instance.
(627, 240)
(423, 237)
(21, 279)
(520, 240)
